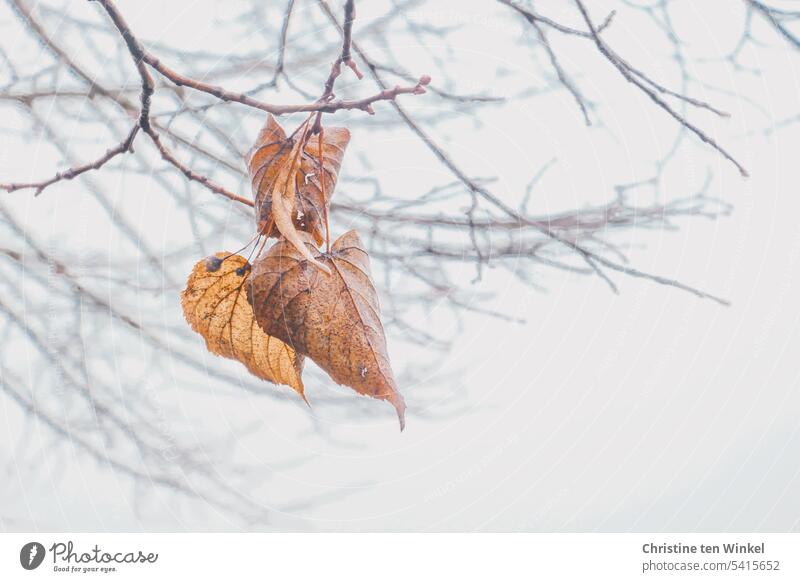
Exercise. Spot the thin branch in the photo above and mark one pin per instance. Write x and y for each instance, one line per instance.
(137, 50)
(141, 54)
(347, 37)
(169, 157)
(124, 146)
(562, 75)
(281, 63)
(635, 78)
(772, 15)
(532, 16)
(587, 255)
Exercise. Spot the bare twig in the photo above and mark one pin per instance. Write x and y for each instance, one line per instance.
(635, 77)
(168, 156)
(126, 145)
(774, 16)
(588, 256)
(563, 77)
(140, 54)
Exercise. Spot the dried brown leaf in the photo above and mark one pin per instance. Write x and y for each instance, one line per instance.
(305, 202)
(334, 320)
(310, 200)
(264, 162)
(284, 194)
(215, 306)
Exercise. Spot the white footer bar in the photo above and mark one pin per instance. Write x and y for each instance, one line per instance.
(399, 557)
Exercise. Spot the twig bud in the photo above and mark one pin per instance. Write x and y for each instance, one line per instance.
(213, 263)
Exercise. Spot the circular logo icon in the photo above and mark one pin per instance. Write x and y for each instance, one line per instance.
(31, 555)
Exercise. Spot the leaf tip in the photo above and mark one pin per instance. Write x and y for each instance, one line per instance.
(399, 404)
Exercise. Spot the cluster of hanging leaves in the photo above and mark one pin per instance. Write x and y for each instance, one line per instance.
(295, 300)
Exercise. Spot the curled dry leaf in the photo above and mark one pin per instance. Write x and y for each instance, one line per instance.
(311, 201)
(284, 192)
(269, 154)
(215, 306)
(333, 320)
(307, 205)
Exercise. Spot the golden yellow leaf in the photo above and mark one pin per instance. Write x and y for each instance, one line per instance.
(215, 305)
